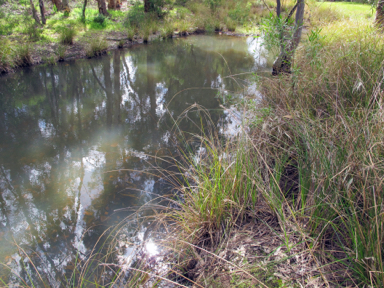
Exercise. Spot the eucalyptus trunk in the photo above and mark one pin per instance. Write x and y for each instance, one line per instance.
(380, 13)
(111, 4)
(58, 4)
(283, 63)
(278, 8)
(34, 13)
(102, 7)
(84, 7)
(66, 6)
(42, 11)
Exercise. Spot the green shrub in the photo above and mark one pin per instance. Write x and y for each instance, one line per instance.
(213, 4)
(196, 7)
(34, 32)
(100, 19)
(240, 13)
(181, 2)
(135, 16)
(156, 6)
(8, 22)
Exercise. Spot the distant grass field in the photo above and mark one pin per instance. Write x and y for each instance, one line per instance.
(351, 10)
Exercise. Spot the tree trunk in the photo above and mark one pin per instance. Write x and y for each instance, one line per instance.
(34, 13)
(66, 6)
(111, 4)
(278, 8)
(58, 4)
(84, 7)
(379, 21)
(102, 7)
(283, 63)
(42, 11)
(147, 6)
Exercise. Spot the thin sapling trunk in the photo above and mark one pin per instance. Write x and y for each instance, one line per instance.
(283, 63)
(84, 7)
(34, 13)
(42, 11)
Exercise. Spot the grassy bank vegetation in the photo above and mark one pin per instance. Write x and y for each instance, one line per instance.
(69, 35)
(297, 199)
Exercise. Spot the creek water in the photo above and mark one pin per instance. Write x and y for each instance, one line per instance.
(77, 137)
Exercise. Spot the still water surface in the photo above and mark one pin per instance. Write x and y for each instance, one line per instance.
(75, 138)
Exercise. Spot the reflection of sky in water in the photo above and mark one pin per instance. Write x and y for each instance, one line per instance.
(258, 52)
(161, 90)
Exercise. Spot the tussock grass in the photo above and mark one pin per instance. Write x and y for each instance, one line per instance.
(312, 161)
(328, 126)
(167, 30)
(96, 46)
(23, 55)
(67, 35)
(33, 31)
(6, 56)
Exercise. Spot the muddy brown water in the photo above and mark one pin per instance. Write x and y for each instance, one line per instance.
(75, 139)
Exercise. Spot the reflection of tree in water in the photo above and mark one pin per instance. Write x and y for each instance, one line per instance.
(64, 127)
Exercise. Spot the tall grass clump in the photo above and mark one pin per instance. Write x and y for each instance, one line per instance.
(146, 31)
(218, 185)
(23, 55)
(33, 31)
(312, 160)
(6, 56)
(230, 24)
(328, 124)
(96, 46)
(12, 57)
(67, 35)
(167, 30)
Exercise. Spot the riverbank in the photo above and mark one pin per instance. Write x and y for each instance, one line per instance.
(70, 36)
(37, 54)
(296, 199)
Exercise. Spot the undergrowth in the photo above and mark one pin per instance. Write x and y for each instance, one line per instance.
(169, 18)
(312, 160)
